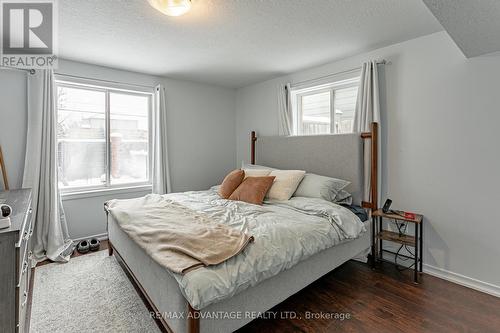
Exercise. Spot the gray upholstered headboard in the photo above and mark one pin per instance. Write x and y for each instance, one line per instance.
(339, 156)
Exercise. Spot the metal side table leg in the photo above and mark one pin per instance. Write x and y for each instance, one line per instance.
(415, 268)
(421, 244)
(374, 244)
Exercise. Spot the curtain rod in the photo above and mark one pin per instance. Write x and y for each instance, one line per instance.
(31, 71)
(380, 62)
(104, 81)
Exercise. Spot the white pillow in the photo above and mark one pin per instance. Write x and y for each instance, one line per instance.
(256, 172)
(285, 184)
(328, 188)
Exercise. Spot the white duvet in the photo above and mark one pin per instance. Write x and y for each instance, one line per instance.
(285, 233)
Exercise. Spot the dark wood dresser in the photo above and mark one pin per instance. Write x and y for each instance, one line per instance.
(15, 255)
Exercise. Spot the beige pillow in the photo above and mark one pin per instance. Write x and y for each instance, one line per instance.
(256, 172)
(285, 184)
(231, 183)
(252, 190)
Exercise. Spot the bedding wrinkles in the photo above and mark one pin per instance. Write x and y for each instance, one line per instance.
(175, 236)
(285, 233)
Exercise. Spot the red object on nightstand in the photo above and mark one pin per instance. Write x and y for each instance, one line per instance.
(409, 215)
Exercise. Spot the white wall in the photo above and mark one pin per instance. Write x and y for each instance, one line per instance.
(441, 157)
(200, 136)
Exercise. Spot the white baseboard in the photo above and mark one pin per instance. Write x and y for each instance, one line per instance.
(100, 237)
(463, 280)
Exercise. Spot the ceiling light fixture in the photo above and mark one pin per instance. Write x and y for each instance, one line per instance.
(171, 7)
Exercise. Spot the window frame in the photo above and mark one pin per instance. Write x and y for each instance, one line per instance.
(297, 94)
(299, 97)
(107, 88)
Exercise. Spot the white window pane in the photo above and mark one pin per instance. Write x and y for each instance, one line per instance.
(345, 104)
(76, 99)
(127, 104)
(129, 135)
(81, 137)
(315, 113)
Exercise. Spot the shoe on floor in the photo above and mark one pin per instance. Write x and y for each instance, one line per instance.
(83, 247)
(94, 244)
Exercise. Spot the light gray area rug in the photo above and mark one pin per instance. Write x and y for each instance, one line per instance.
(90, 293)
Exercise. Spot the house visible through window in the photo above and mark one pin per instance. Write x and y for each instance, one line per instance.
(103, 136)
(326, 108)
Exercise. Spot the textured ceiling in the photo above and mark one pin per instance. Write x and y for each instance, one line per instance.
(234, 43)
(474, 25)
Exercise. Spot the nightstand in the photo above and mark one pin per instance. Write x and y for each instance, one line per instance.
(400, 237)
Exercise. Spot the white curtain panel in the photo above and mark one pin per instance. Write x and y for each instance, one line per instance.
(161, 171)
(50, 237)
(368, 111)
(284, 110)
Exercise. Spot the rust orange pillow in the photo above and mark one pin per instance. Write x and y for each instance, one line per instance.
(253, 189)
(231, 183)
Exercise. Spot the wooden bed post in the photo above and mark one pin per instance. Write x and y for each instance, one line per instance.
(253, 139)
(193, 320)
(110, 248)
(373, 136)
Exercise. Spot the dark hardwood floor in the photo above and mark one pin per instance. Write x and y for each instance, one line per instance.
(385, 300)
(381, 300)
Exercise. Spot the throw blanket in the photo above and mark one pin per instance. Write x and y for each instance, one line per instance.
(174, 235)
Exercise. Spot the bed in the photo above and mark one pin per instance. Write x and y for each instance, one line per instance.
(340, 156)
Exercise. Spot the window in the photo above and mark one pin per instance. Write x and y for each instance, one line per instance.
(103, 136)
(326, 108)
